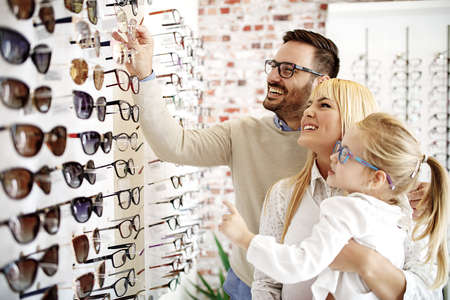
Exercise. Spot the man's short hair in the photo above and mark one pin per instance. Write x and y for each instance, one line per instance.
(326, 56)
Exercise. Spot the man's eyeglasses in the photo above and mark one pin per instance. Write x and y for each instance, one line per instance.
(345, 154)
(286, 69)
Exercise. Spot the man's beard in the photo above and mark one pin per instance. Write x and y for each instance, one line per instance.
(283, 107)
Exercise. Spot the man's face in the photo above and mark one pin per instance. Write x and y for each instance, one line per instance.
(285, 96)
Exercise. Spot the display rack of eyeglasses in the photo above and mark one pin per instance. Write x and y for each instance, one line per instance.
(367, 70)
(439, 102)
(174, 212)
(90, 191)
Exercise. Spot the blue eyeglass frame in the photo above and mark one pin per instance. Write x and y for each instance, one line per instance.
(339, 148)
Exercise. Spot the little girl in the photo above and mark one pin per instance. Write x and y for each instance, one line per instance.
(376, 163)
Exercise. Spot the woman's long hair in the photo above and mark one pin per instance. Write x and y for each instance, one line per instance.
(355, 102)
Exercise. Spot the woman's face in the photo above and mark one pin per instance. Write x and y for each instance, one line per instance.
(320, 126)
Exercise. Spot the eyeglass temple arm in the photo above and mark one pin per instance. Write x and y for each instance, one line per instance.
(126, 245)
(103, 288)
(104, 166)
(120, 272)
(159, 223)
(129, 296)
(99, 296)
(96, 259)
(125, 218)
(108, 228)
(36, 292)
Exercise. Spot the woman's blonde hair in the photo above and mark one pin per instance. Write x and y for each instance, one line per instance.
(354, 102)
(391, 147)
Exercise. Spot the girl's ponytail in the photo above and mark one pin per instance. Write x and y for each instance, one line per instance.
(434, 220)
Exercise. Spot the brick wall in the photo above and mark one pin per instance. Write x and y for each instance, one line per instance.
(239, 35)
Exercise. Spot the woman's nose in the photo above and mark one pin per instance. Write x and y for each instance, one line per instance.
(309, 112)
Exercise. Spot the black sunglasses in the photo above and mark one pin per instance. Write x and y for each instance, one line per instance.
(25, 228)
(84, 105)
(15, 94)
(74, 173)
(15, 49)
(82, 207)
(21, 273)
(121, 167)
(91, 140)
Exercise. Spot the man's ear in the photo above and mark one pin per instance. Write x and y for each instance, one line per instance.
(320, 79)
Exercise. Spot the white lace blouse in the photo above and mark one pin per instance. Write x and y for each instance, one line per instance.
(272, 220)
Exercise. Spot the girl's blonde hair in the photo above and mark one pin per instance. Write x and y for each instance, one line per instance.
(354, 102)
(391, 147)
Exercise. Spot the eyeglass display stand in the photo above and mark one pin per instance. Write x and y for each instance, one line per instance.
(62, 113)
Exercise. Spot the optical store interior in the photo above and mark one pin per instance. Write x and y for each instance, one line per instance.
(89, 210)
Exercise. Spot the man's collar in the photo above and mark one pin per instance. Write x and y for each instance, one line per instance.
(280, 124)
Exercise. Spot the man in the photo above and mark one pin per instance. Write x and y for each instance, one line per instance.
(259, 151)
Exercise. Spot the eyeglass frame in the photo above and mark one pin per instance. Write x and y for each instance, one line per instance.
(359, 160)
(292, 65)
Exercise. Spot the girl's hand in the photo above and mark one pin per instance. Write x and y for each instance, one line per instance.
(235, 228)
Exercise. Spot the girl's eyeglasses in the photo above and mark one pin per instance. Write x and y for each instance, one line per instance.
(345, 154)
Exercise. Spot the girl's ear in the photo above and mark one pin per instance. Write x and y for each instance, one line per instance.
(379, 179)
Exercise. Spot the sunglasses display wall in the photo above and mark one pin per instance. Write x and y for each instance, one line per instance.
(90, 195)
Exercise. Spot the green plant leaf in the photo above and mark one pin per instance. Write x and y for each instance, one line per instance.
(206, 284)
(223, 254)
(221, 277)
(211, 295)
(190, 295)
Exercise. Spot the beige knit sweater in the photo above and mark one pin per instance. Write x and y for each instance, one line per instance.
(257, 152)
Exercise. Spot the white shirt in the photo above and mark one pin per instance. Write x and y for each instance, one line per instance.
(272, 220)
